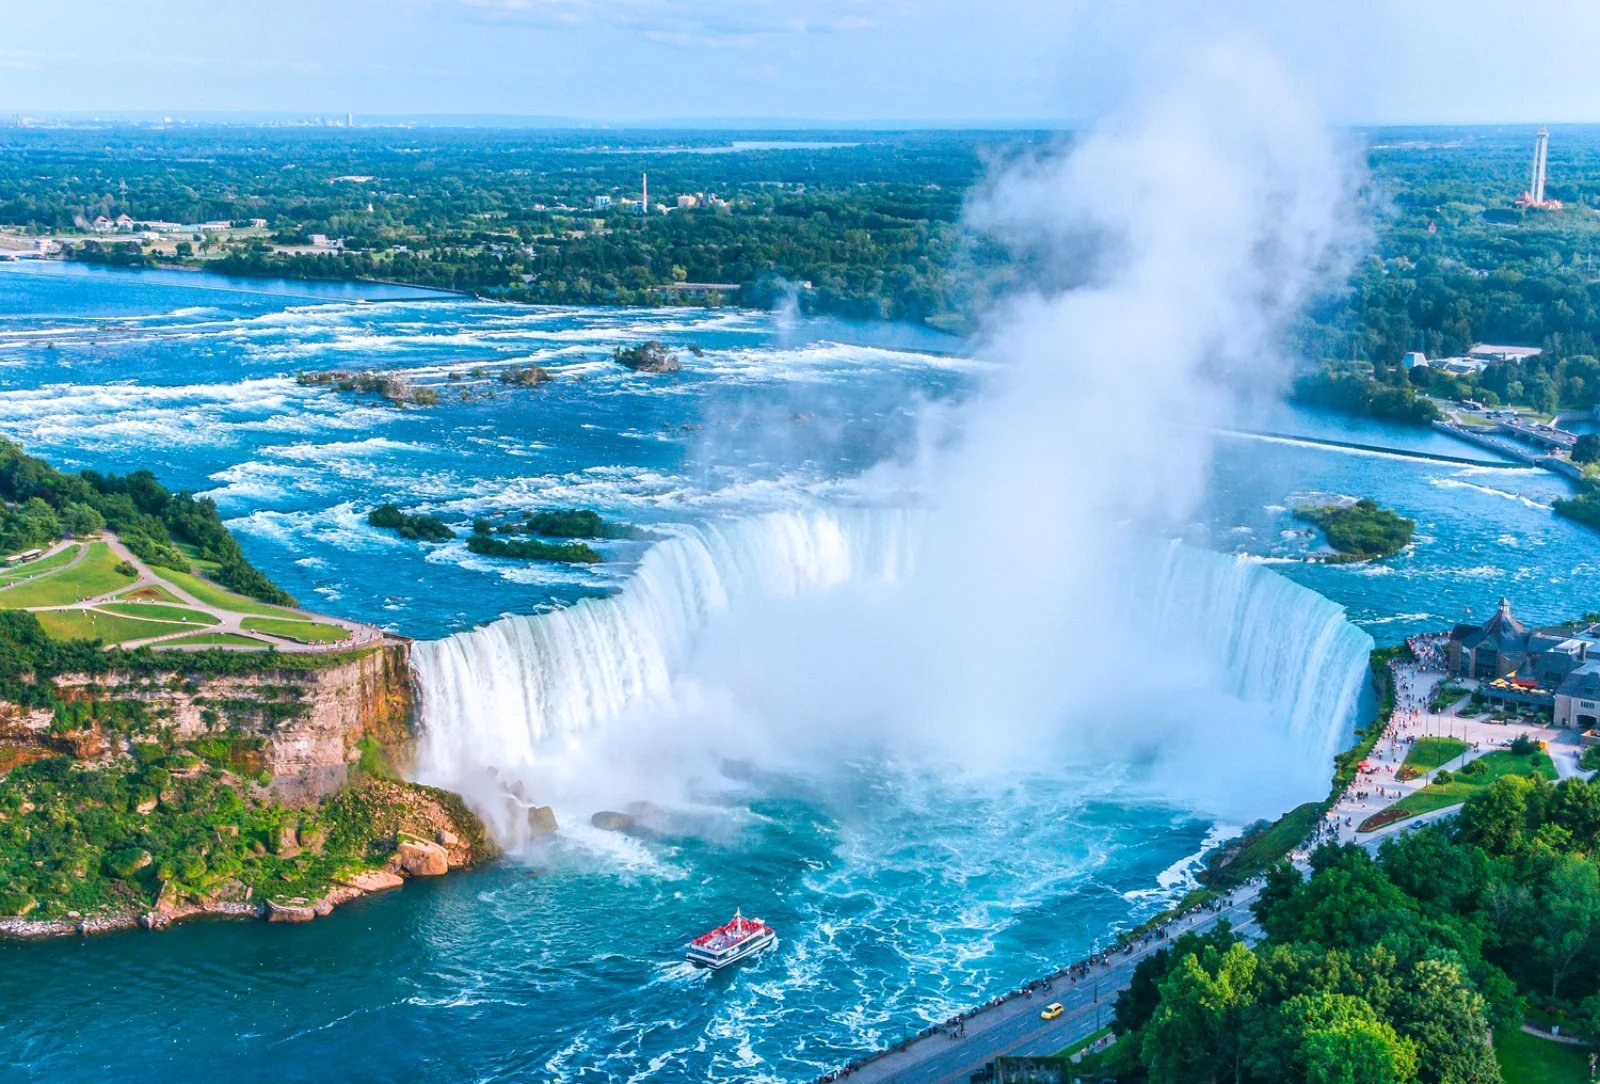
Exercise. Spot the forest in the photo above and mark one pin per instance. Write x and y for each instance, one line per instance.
(1394, 968)
(866, 224)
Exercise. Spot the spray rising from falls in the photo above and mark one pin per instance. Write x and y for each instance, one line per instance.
(551, 708)
(1025, 617)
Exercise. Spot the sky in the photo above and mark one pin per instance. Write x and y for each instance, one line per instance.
(843, 61)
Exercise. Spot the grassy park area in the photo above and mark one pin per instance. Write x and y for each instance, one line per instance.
(215, 639)
(55, 588)
(151, 611)
(220, 597)
(1427, 754)
(1528, 1059)
(1458, 786)
(43, 564)
(150, 592)
(309, 632)
(107, 628)
(95, 574)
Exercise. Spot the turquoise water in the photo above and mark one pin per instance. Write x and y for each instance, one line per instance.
(900, 894)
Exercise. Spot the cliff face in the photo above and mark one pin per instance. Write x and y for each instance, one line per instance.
(304, 728)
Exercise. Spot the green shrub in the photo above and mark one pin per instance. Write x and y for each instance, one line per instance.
(16, 904)
(127, 862)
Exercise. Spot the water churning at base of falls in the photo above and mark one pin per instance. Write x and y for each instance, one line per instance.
(1178, 649)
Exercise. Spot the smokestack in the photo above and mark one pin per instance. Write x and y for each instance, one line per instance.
(644, 193)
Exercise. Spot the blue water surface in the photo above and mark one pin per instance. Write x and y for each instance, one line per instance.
(899, 897)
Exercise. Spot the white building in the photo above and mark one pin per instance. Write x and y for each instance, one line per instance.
(602, 202)
(1415, 359)
(1490, 355)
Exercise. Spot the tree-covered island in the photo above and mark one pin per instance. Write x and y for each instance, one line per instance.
(1361, 531)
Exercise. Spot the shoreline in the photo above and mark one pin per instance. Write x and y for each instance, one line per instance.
(164, 915)
(1224, 895)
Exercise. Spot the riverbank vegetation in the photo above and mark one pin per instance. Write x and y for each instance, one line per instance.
(870, 226)
(570, 523)
(155, 524)
(180, 824)
(1266, 843)
(1584, 506)
(1394, 968)
(1362, 531)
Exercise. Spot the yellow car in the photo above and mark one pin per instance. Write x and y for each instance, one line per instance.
(1051, 1011)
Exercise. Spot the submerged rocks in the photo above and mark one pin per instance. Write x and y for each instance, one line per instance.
(542, 820)
(420, 858)
(650, 357)
(611, 821)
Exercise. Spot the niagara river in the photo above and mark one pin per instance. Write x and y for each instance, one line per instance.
(916, 856)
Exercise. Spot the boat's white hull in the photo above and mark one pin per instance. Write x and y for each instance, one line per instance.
(743, 951)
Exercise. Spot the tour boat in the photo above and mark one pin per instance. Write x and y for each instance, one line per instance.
(731, 943)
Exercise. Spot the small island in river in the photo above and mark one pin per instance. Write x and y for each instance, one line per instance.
(1362, 531)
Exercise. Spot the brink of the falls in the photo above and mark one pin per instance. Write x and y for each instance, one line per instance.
(1196, 668)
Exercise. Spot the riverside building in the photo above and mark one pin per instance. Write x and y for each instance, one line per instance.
(1555, 669)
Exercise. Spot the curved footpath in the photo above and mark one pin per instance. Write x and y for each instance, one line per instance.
(225, 621)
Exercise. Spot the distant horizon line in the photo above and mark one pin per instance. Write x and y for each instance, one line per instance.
(220, 118)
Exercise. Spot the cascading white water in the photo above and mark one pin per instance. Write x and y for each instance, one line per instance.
(499, 704)
(1285, 646)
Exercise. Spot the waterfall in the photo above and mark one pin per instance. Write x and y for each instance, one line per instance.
(501, 700)
(1284, 645)
(495, 695)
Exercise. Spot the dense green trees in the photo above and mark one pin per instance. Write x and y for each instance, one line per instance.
(45, 502)
(1388, 969)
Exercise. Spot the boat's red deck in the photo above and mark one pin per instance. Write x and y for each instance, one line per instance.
(725, 938)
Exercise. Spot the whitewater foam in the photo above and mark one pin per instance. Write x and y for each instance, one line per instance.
(527, 705)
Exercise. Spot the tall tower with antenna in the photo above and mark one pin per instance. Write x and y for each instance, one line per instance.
(1534, 196)
(1541, 151)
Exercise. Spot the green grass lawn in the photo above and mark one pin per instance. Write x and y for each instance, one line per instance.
(95, 575)
(1528, 1059)
(215, 639)
(153, 611)
(221, 597)
(1428, 753)
(309, 632)
(109, 628)
(151, 592)
(1084, 1042)
(1461, 787)
(44, 564)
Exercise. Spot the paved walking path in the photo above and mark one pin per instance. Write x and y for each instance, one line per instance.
(226, 621)
(1015, 1027)
(1378, 788)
